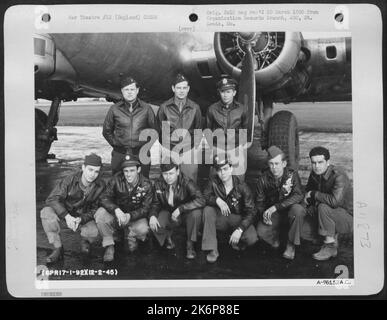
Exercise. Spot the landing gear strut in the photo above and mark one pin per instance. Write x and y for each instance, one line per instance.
(280, 130)
(45, 131)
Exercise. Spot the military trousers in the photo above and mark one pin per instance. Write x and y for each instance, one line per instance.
(214, 221)
(52, 226)
(191, 220)
(331, 220)
(108, 226)
(291, 219)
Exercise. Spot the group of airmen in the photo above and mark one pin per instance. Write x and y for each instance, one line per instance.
(132, 208)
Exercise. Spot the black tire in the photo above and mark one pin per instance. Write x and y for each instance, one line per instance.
(42, 141)
(283, 133)
(40, 120)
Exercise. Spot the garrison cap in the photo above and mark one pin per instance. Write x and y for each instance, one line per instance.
(179, 78)
(168, 164)
(226, 83)
(220, 160)
(93, 160)
(273, 152)
(130, 160)
(126, 81)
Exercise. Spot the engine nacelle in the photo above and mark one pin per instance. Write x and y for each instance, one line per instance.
(278, 59)
(44, 56)
(54, 75)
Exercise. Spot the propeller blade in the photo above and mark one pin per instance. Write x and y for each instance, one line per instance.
(247, 90)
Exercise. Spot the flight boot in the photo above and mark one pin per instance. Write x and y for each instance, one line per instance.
(327, 251)
(55, 256)
(109, 254)
(132, 244)
(169, 244)
(275, 244)
(191, 254)
(213, 256)
(290, 251)
(85, 247)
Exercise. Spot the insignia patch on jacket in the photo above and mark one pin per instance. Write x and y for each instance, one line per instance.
(287, 186)
(234, 201)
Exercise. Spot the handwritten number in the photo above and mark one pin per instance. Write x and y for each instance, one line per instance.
(342, 272)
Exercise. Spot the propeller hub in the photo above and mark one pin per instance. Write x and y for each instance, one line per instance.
(247, 36)
(257, 41)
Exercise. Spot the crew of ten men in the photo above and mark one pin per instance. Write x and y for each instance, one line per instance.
(131, 204)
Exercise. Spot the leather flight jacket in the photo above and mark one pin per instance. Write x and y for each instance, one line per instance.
(122, 128)
(190, 118)
(135, 200)
(279, 193)
(239, 200)
(186, 196)
(68, 197)
(233, 117)
(332, 188)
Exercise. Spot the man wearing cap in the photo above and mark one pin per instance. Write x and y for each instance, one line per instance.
(278, 198)
(227, 114)
(124, 122)
(328, 198)
(74, 200)
(230, 207)
(125, 205)
(181, 113)
(176, 199)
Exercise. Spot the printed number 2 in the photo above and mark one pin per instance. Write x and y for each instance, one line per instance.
(342, 272)
(39, 12)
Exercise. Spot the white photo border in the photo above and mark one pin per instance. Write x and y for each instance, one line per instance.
(22, 21)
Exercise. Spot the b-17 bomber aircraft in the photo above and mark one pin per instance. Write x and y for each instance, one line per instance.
(269, 66)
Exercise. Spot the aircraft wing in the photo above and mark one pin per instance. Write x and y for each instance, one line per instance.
(287, 66)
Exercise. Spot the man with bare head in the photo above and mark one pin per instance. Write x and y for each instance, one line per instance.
(124, 123)
(329, 201)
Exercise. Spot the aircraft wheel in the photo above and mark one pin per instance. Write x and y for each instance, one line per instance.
(43, 139)
(283, 132)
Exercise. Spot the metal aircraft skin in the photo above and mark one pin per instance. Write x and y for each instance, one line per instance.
(270, 67)
(287, 67)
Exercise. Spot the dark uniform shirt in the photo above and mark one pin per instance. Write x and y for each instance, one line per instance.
(70, 197)
(332, 188)
(281, 193)
(122, 128)
(186, 196)
(135, 200)
(189, 118)
(239, 199)
(220, 116)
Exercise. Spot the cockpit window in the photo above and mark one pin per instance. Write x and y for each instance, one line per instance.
(39, 46)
